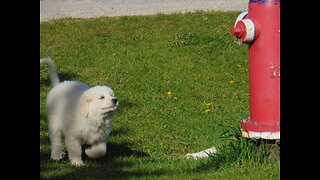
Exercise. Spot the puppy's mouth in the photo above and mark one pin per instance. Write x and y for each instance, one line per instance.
(110, 108)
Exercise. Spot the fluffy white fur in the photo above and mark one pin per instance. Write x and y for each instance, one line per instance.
(81, 114)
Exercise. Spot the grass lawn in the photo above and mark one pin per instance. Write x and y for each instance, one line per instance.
(178, 78)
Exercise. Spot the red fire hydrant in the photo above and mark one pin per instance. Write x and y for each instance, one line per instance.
(260, 28)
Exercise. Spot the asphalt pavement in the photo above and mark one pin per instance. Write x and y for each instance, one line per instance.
(55, 9)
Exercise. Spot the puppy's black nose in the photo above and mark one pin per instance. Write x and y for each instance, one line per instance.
(114, 101)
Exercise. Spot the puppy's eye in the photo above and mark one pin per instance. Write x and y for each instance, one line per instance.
(101, 97)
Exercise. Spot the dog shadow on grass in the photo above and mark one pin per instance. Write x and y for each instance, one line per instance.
(114, 165)
(111, 166)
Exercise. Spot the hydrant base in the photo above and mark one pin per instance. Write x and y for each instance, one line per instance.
(263, 135)
(260, 129)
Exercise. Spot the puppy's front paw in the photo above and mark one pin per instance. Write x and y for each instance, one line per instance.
(57, 155)
(96, 151)
(89, 153)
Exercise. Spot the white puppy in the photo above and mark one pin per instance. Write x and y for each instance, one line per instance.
(80, 113)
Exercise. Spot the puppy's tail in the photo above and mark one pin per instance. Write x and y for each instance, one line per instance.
(54, 78)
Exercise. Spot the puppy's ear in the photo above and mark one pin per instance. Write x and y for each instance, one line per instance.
(84, 106)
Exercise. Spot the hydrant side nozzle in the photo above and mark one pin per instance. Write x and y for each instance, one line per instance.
(244, 30)
(239, 30)
(235, 31)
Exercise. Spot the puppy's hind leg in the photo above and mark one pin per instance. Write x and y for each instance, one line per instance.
(55, 135)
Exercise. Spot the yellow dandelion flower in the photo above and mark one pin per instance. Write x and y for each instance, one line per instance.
(231, 82)
(207, 110)
(209, 104)
(169, 93)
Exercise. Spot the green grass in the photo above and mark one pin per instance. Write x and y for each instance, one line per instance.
(142, 58)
